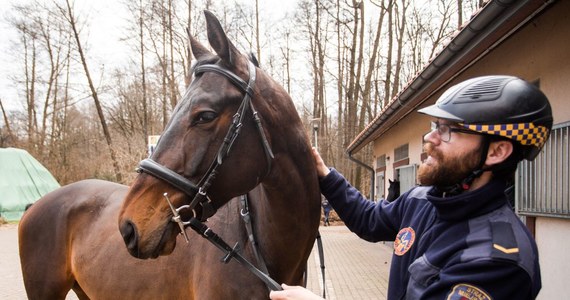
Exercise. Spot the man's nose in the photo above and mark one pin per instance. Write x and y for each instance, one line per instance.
(431, 137)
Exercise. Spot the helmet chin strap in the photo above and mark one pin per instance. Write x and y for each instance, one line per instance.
(465, 184)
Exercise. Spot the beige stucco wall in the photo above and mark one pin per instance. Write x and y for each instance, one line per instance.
(410, 131)
(553, 244)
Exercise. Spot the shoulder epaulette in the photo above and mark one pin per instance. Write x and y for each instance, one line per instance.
(504, 242)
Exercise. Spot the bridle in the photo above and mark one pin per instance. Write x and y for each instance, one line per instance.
(199, 191)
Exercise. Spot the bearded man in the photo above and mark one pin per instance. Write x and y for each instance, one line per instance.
(456, 235)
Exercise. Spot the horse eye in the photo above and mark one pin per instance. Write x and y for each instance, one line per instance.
(205, 117)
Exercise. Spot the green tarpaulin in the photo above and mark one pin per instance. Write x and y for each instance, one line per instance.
(23, 180)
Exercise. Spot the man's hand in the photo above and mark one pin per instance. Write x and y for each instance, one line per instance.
(293, 292)
(322, 169)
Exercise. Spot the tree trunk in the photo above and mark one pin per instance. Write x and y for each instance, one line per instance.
(143, 74)
(257, 31)
(172, 79)
(5, 116)
(367, 93)
(340, 68)
(459, 13)
(401, 26)
(388, 77)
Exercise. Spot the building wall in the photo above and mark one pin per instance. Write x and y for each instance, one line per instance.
(411, 131)
(552, 239)
(539, 51)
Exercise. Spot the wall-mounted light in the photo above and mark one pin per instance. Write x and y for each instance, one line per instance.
(316, 122)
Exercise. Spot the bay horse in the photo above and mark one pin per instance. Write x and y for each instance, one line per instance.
(393, 190)
(95, 237)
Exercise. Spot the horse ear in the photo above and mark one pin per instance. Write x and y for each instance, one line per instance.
(390, 181)
(218, 39)
(198, 50)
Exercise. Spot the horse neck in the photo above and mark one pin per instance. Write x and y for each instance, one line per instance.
(292, 184)
(287, 213)
(292, 181)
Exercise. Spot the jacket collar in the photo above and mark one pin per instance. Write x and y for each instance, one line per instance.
(469, 204)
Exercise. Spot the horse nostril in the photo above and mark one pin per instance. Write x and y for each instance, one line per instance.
(129, 233)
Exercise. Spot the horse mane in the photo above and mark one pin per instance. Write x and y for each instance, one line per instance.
(253, 59)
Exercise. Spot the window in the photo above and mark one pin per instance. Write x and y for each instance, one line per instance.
(380, 175)
(407, 177)
(401, 153)
(380, 186)
(381, 161)
(543, 185)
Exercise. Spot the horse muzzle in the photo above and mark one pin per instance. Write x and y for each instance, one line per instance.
(131, 237)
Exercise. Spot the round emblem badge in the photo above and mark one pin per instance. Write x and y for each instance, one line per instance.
(465, 291)
(404, 241)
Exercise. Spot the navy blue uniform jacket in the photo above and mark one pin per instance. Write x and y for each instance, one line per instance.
(469, 246)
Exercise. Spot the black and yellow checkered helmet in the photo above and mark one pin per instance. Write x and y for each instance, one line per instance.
(498, 105)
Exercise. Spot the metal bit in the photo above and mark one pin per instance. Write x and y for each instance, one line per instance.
(176, 218)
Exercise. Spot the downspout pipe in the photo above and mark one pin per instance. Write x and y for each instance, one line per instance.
(367, 167)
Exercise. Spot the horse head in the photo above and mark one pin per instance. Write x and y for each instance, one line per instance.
(393, 190)
(216, 146)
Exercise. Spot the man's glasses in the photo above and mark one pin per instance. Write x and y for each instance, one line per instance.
(444, 130)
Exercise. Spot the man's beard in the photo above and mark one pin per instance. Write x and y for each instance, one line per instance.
(444, 172)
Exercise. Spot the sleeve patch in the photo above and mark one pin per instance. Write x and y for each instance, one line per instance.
(465, 291)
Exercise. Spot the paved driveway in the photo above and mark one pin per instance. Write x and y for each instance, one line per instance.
(355, 269)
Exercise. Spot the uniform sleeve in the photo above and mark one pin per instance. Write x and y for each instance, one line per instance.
(369, 220)
(478, 280)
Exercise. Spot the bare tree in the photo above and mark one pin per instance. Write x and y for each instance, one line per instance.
(459, 13)
(143, 71)
(5, 117)
(316, 26)
(257, 30)
(372, 69)
(30, 58)
(69, 15)
(171, 78)
(401, 12)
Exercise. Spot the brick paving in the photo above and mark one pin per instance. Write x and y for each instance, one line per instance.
(354, 269)
(11, 284)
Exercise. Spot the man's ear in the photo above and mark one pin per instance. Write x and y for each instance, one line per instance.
(498, 152)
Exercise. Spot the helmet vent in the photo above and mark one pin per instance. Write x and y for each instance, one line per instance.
(486, 90)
